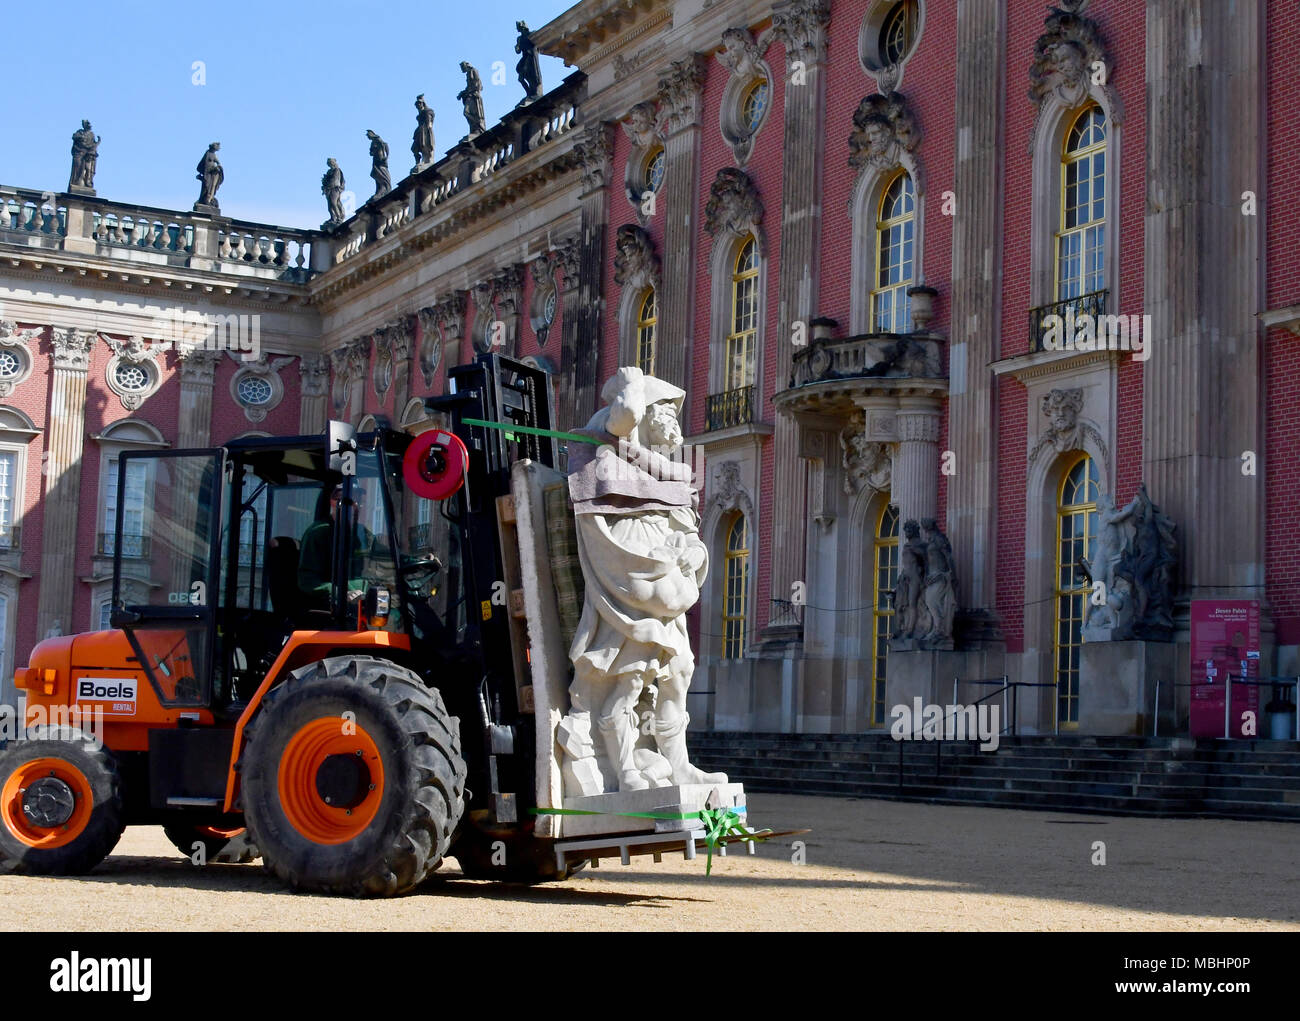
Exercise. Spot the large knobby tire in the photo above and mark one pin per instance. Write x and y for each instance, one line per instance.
(221, 845)
(60, 803)
(370, 736)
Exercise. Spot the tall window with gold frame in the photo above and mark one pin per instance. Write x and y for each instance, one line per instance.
(885, 566)
(1081, 239)
(647, 319)
(891, 308)
(735, 575)
(740, 366)
(1076, 527)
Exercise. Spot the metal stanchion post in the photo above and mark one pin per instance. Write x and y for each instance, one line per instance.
(1227, 703)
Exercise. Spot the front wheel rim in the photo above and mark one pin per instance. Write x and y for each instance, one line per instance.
(301, 762)
(46, 837)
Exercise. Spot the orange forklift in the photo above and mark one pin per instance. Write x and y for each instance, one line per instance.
(296, 671)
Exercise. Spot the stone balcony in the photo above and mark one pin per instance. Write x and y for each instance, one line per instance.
(835, 374)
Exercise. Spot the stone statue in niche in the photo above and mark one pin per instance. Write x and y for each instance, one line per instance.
(636, 513)
(210, 175)
(472, 98)
(925, 595)
(85, 154)
(422, 143)
(1131, 592)
(379, 164)
(529, 67)
(331, 186)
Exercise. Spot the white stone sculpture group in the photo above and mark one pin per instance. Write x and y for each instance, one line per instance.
(636, 513)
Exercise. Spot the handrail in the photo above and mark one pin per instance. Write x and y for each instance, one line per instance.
(1278, 681)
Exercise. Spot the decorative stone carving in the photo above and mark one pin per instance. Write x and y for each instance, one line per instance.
(641, 125)
(635, 511)
(256, 386)
(210, 174)
(135, 353)
(379, 164)
(541, 309)
(85, 154)
(801, 25)
(925, 594)
(72, 348)
(422, 143)
(679, 94)
(1133, 561)
(1066, 429)
(508, 286)
(884, 135)
(342, 384)
(635, 261)
(595, 149)
(568, 259)
(625, 66)
(1065, 59)
(382, 371)
(734, 205)
(866, 463)
(198, 365)
(529, 67)
(741, 55)
(728, 488)
(471, 97)
(331, 186)
(314, 371)
(430, 343)
(15, 355)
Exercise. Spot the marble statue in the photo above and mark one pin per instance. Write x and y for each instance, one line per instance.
(211, 175)
(379, 164)
(472, 98)
(1133, 560)
(85, 153)
(925, 594)
(422, 143)
(637, 520)
(331, 186)
(529, 67)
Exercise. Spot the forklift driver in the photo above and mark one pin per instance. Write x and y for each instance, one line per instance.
(316, 560)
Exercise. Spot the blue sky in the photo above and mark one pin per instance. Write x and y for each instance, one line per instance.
(287, 85)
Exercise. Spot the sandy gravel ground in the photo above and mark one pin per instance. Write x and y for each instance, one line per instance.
(869, 865)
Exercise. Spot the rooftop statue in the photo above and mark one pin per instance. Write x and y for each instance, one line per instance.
(472, 96)
(331, 186)
(85, 152)
(211, 175)
(529, 68)
(379, 164)
(422, 143)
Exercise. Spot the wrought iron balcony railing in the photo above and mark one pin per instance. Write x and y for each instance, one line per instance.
(1069, 309)
(729, 408)
(134, 547)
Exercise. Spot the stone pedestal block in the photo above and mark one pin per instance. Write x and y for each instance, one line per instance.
(1117, 683)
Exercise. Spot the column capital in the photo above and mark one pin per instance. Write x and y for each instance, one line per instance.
(198, 365)
(72, 348)
(800, 25)
(679, 93)
(594, 150)
(314, 371)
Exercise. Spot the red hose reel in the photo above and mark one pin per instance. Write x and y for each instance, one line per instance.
(434, 465)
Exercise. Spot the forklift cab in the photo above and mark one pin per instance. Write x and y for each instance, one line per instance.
(253, 541)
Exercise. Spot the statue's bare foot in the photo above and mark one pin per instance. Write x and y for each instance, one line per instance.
(686, 773)
(632, 780)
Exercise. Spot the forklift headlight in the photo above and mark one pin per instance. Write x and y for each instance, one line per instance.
(375, 606)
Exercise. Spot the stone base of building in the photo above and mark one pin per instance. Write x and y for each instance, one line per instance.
(1117, 684)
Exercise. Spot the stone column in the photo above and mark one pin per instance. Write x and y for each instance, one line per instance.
(974, 323)
(584, 300)
(800, 25)
(62, 470)
(1203, 279)
(198, 371)
(401, 338)
(914, 488)
(358, 370)
(312, 406)
(679, 98)
(509, 288)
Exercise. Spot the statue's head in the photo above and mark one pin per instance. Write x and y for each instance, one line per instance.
(662, 428)
(214, 146)
(911, 529)
(464, 65)
(643, 407)
(929, 526)
(86, 124)
(332, 163)
(371, 135)
(419, 101)
(522, 26)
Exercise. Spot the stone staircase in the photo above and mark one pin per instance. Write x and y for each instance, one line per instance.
(1176, 776)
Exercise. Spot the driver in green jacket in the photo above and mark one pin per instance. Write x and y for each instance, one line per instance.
(316, 558)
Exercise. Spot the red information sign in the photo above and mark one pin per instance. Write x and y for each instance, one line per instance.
(1225, 643)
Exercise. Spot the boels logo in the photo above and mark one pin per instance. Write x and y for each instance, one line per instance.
(116, 694)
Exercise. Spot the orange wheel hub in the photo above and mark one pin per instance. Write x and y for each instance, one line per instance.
(50, 780)
(331, 780)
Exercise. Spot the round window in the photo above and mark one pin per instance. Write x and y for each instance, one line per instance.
(898, 32)
(548, 308)
(753, 106)
(655, 165)
(131, 377)
(10, 365)
(254, 390)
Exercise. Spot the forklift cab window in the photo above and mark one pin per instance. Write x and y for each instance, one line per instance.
(316, 559)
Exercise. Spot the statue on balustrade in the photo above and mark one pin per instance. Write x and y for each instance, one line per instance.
(472, 98)
(529, 67)
(379, 164)
(1131, 572)
(925, 594)
(85, 153)
(331, 186)
(422, 144)
(211, 175)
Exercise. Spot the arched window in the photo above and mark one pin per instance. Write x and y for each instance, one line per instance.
(735, 573)
(647, 318)
(653, 169)
(742, 336)
(885, 564)
(898, 32)
(891, 310)
(1081, 239)
(1076, 525)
